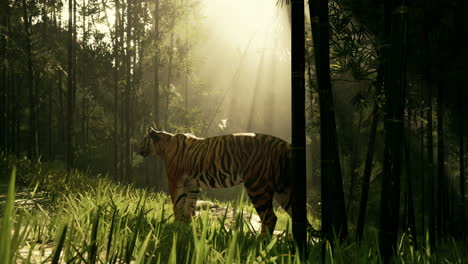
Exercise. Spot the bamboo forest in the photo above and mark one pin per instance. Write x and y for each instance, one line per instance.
(221, 131)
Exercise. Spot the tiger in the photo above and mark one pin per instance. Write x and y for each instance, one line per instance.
(260, 162)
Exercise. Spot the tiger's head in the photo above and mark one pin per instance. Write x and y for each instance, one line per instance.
(154, 142)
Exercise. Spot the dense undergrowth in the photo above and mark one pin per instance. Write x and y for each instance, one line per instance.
(77, 218)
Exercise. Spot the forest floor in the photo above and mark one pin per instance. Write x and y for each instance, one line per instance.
(39, 214)
(78, 218)
(38, 252)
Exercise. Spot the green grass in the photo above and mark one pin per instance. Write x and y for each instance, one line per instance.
(94, 220)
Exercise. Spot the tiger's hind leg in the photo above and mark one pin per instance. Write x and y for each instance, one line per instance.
(285, 200)
(262, 200)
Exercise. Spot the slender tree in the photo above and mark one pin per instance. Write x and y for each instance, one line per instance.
(167, 92)
(423, 179)
(442, 190)
(156, 99)
(122, 109)
(369, 156)
(156, 65)
(428, 17)
(461, 158)
(409, 218)
(333, 206)
(116, 86)
(61, 110)
(394, 86)
(33, 140)
(354, 156)
(70, 91)
(298, 123)
(50, 121)
(128, 90)
(4, 74)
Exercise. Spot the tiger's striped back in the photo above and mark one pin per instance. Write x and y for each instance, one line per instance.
(225, 161)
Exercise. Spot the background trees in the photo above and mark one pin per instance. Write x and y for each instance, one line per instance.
(81, 80)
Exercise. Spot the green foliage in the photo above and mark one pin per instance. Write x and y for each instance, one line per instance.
(102, 221)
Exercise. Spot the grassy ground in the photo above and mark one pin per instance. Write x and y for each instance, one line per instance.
(81, 219)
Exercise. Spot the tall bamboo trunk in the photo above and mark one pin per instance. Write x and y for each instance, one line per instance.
(33, 141)
(461, 158)
(442, 193)
(298, 162)
(353, 168)
(411, 223)
(116, 88)
(334, 219)
(74, 83)
(128, 93)
(50, 121)
(423, 179)
(4, 76)
(428, 17)
(156, 102)
(369, 156)
(60, 118)
(169, 79)
(16, 84)
(70, 90)
(394, 86)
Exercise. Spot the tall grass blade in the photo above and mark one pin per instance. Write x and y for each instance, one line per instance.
(58, 249)
(141, 252)
(94, 247)
(5, 241)
(173, 255)
(111, 235)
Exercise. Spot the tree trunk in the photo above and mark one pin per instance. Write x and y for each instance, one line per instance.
(409, 195)
(333, 206)
(33, 142)
(423, 180)
(4, 79)
(369, 157)
(61, 126)
(394, 85)
(298, 165)
(49, 127)
(428, 17)
(156, 65)
(461, 158)
(156, 102)
(128, 92)
(17, 87)
(442, 193)
(116, 88)
(70, 92)
(169, 79)
(353, 168)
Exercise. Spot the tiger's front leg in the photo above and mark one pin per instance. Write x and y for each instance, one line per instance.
(192, 192)
(178, 197)
(184, 195)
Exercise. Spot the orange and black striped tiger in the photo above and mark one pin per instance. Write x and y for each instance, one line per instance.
(259, 161)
